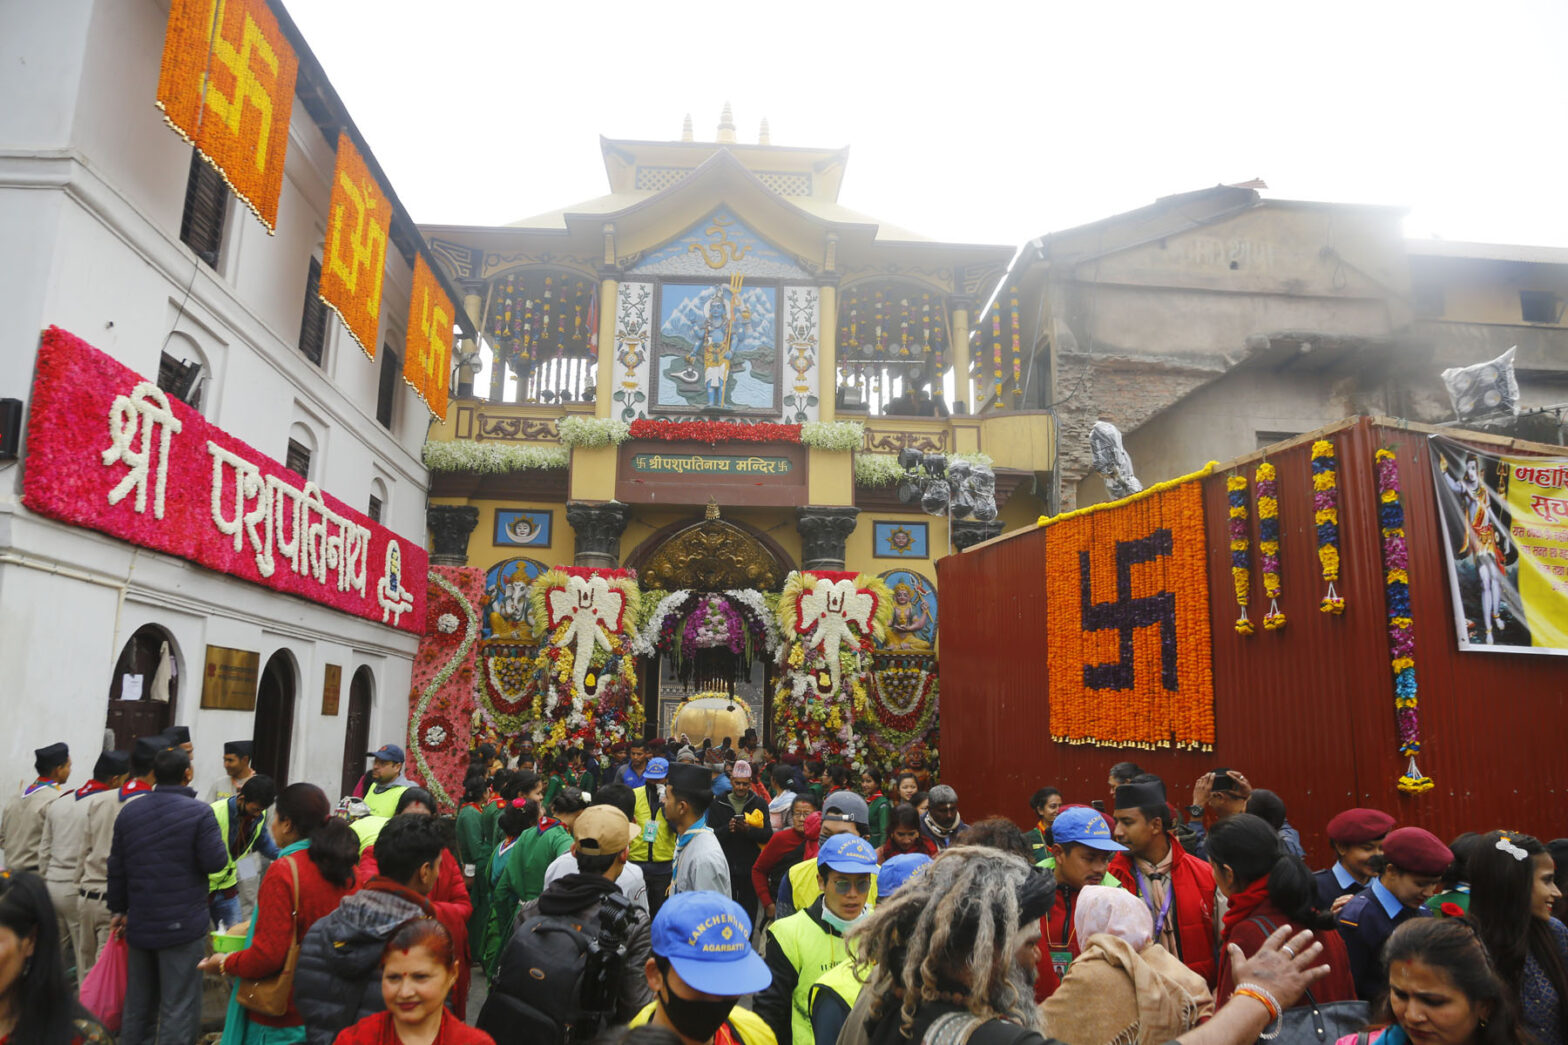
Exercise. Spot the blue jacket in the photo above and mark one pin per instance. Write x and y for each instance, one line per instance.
(165, 845)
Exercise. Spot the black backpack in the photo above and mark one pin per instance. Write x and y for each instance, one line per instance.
(557, 977)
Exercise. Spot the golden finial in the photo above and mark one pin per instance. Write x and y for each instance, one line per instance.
(713, 509)
(763, 138)
(727, 126)
(686, 133)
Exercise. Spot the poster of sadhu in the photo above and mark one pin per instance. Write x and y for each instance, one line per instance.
(1506, 523)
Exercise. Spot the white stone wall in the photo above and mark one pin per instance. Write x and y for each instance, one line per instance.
(92, 185)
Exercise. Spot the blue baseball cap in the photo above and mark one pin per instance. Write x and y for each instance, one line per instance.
(388, 753)
(656, 769)
(897, 871)
(706, 937)
(847, 854)
(1084, 826)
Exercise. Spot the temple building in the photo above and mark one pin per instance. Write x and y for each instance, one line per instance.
(708, 375)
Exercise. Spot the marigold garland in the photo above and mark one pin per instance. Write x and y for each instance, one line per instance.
(1401, 627)
(1240, 549)
(354, 256)
(427, 355)
(1325, 516)
(1268, 543)
(815, 712)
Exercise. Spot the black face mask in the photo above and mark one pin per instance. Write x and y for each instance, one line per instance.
(697, 1020)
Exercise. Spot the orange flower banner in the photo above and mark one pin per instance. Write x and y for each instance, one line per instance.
(427, 356)
(355, 257)
(227, 87)
(1127, 630)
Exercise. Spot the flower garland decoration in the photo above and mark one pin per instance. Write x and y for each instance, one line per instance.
(1240, 549)
(589, 432)
(877, 470)
(714, 432)
(1401, 627)
(584, 684)
(1018, 358)
(903, 709)
(996, 352)
(838, 436)
(685, 621)
(463, 455)
(831, 620)
(442, 697)
(1325, 516)
(1268, 543)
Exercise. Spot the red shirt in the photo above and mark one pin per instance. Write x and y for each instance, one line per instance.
(378, 1029)
(276, 931)
(784, 842)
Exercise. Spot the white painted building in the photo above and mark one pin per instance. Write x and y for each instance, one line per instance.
(102, 218)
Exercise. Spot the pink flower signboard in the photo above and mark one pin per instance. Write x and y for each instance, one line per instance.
(108, 450)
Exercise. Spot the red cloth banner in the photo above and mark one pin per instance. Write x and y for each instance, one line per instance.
(108, 450)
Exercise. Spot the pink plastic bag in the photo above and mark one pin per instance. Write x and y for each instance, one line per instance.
(103, 992)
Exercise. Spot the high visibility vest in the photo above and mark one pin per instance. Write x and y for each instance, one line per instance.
(804, 888)
(230, 875)
(368, 828)
(813, 951)
(662, 848)
(750, 1028)
(384, 803)
(840, 980)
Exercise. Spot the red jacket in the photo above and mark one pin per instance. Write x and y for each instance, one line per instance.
(1192, 906)
(453, 909)
(276, 931)
(1249, 934)
(779, 848)
(377, 1029)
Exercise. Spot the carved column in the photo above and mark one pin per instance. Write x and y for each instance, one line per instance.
(967, 532)
(823, 532)
(450, 525)
(598, 529)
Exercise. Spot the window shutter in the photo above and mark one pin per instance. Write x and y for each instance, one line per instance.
(386, 392)
(298, 459)
(375, 509)
(206, 204)
(313, 325)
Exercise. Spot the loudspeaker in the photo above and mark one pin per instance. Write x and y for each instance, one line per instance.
(10, 428)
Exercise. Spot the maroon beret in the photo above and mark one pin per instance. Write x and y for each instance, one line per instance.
(1417, 851)
(1354, 826)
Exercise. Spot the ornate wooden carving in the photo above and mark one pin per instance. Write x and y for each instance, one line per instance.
(516, 429)
(883, 440)
(712, 555)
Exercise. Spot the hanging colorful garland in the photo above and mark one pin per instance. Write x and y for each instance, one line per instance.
(1325, 515)
(685, 621)
(442, 695)
(902, 711)
(714, 432)
(1401, 627)
(830, 620)
(1240, 549)
(1268, 543)
(1018, 356)
(584, 683)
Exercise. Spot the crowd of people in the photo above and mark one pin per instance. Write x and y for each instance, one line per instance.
(667, 892)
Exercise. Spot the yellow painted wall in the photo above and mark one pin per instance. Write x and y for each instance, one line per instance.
(1489, 301)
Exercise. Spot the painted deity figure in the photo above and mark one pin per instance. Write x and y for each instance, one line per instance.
(717, 349)
(1484, 539)
(910, 618)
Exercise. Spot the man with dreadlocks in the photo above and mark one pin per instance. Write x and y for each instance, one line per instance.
(951, 958)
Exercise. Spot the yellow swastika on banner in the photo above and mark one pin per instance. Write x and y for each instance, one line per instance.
(226, 85)
(355, 256)
(427, 359)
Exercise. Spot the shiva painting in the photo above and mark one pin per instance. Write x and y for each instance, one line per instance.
(718, 346)
(913, 627)
(506, 600)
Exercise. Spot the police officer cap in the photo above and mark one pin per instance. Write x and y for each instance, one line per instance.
(111, 764)
(686, 777)
(1356, 826)
(1417, 851)
(239, 748)
(51, 757)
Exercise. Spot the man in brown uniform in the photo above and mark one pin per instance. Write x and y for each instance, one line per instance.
(92, 882)
(22, 824)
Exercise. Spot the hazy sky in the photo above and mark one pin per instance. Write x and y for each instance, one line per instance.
(978, 122)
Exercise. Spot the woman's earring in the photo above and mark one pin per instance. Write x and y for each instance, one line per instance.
(27, 966)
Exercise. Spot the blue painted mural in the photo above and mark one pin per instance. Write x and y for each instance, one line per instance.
(718, 345)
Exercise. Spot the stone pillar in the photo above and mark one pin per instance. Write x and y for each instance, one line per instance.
(823, 532)
(967, 532)
(450, 525)
(961, 391)
(598, 529)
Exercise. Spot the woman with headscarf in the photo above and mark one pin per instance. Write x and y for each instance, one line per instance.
(1123, 987)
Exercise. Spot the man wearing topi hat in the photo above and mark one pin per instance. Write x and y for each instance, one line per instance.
(1357, 837)
(699, 861)
(1413, 864)
(236, 770)
(22, 824)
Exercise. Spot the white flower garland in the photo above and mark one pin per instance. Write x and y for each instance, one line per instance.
(462, 455)
(589, 432)
(838, 436)
(470, 636)
(644, 641)
(874, 470)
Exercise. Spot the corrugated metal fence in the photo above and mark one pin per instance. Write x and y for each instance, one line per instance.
(1308, 711)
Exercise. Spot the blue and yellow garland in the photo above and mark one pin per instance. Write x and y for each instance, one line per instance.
(1240, 549)
(1325, 515)
(1401, 626)
(1268, 543)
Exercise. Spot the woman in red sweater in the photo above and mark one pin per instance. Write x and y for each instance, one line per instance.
(904, 835)
(418, 970)
(1268, 888)
(788, 847)
(318, 851)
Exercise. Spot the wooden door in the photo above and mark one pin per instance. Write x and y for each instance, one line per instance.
(275, 718)
(356, 735)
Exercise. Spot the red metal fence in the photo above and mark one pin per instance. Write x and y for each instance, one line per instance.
(1307, 711)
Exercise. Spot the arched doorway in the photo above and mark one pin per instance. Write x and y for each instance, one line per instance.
(275, 717)
(356, 736)
(138, 671)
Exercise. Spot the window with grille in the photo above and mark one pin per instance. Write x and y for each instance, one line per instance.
(206, 204)
(298, 459)
(1539, 306)
(313, 325)
(386, 392)
(374, 510)
(180, 379)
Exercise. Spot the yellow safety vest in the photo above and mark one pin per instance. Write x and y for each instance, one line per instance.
(662, 848)
(813, 951)
(230, 875)
(384, 803)
(368, 828)
(749, 1027)
(804, 888)
(841, 980)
